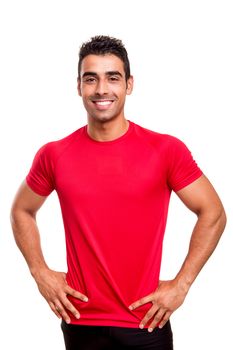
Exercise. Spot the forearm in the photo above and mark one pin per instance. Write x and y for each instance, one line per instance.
(27, 238)
(204, 240)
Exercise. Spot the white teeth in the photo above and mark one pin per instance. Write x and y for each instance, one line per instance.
(103, 103)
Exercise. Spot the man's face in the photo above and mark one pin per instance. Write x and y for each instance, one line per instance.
(103, 87)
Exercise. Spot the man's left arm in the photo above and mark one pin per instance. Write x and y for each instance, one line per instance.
(201, 198)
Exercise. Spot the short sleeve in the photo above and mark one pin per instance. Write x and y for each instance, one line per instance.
(40, 177)
(182, 168)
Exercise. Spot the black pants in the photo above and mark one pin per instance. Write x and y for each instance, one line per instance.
(82, 337)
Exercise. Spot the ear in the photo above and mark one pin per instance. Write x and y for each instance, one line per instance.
(79, 86)
(129, 87)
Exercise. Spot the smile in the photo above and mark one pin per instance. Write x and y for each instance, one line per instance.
(102, 104)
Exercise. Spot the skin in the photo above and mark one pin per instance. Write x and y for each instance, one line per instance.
(102, 78)
(201, 198)
(107, 122)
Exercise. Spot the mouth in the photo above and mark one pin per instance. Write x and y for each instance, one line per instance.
(103, 104)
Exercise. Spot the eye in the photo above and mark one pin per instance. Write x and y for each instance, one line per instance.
(89, 80)
(114, 78)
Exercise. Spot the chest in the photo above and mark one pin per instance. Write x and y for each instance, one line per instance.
(85, 174)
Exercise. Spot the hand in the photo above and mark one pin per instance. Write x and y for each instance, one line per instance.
(54, 288)
(166, 299)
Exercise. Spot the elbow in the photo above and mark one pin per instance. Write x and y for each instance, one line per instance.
(15, 218)
(19, 216)
(13, 215)
(216, 219)
(213, 217)
(220, 224)
(222, 219)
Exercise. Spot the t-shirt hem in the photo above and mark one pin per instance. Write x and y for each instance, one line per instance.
(188, 181)
(35, 188)
(107, 323)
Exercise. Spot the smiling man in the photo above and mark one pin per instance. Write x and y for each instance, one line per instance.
(103, 85)
(114, 179)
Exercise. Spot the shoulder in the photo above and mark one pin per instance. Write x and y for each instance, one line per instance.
(165, 140)
(53, 149)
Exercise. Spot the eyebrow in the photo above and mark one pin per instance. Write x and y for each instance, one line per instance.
(114, 72)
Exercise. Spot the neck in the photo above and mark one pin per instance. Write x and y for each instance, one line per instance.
(107, 130)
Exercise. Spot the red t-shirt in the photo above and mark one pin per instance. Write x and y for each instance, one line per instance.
(114, 198)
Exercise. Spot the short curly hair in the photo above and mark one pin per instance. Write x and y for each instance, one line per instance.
(102, 45)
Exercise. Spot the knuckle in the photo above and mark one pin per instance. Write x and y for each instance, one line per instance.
(57, 308)
(144, 321)
(149, 314)
(61, 293)
(67, 305)
(69, 290)
(157, 318)
(157, 321)
(54, 308)
(72, 292)
(161, 305)
(63, 313)
(56, 302)
(72, 309)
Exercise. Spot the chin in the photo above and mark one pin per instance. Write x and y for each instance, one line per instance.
(103, 118)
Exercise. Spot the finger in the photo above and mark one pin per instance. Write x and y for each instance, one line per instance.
(53, 308)
(60, 309)
(141, 301)
(150, 313)
(157, 319)
(69, 306)
(75, 293)
(165, 319)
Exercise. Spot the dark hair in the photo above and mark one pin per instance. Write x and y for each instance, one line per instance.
(102, 45)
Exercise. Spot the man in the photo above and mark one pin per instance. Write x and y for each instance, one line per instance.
(114, 179)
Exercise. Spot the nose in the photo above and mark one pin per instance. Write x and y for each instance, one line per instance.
(102, 87)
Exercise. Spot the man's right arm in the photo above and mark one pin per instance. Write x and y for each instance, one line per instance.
(52, 284)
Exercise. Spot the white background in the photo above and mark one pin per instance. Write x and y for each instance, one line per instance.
(181, 58)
